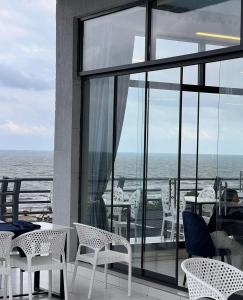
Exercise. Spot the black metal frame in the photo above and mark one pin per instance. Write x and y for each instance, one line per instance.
(148, 65)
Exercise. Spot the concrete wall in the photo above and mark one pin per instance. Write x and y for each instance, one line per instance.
(67, 115)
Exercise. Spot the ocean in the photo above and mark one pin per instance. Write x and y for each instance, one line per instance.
(26, 164)
(161, 167)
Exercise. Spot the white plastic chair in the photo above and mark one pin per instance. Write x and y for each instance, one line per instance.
(167, 214)
(211, 278)
(170, 215)
(135, 201)
(5, 267)
(98, 241)
(44, 250)
(118, 196)
(207, 193)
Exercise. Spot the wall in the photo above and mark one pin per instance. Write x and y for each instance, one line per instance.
(67, 115)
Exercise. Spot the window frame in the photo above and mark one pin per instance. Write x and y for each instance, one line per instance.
(154, 64)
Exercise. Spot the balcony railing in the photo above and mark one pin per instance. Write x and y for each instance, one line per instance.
(15, 203)
(19, 200)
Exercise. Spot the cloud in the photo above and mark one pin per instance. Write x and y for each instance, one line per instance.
(11, 77)
(23, 129)
(27, 73)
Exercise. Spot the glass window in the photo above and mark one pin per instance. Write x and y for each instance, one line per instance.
(185, 27)
(164, 101)
(114, 39)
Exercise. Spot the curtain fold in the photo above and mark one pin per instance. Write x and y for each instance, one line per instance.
(101, 130)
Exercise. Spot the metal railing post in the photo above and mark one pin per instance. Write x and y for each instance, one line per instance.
(225, 198)
(220, 193)
(241, 181)
(3, 196)
(170, 191)
(175, 193)
(15, 198)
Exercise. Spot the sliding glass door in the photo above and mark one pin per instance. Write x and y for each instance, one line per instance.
(228, 228)
(162, 172)
(156, 144)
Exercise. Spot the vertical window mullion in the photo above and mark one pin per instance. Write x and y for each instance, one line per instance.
(179, 177)
(113, 145)
(148, 31)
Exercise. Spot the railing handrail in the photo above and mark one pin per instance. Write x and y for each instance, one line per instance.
(15, 190)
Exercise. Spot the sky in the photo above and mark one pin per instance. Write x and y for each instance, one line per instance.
(27, 74)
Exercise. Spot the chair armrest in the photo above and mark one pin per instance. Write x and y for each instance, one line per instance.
(120, 240)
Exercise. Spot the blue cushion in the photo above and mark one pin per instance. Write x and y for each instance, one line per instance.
(197, 237)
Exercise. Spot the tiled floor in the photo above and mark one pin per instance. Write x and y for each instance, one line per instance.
(117, 287)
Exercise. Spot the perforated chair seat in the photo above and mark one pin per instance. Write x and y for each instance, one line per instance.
(104, 257)
(38, 263)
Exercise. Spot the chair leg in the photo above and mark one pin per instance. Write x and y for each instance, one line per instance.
(4, 287)
(105, 271)
(74, 274)
(65, 281)
(172, 234)
(162, 229)
(50, 283)
(129, 278)
(30, 285)
(229, 259)
(222, 258)
(92, 281)
(10, 286)
(21, 281)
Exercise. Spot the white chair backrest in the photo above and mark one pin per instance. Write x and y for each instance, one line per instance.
(135, 200)
(165, 201)
(207, 192)
(95, 238)
(118, 196)
(5, 243)
(41, 242)
(219, 275)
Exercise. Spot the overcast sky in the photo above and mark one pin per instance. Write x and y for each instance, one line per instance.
(27, 74)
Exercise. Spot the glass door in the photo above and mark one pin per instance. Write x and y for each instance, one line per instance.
(228, 224)
(162, 174)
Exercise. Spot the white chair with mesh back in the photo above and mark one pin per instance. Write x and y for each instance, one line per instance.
(98, 242)
(209, 278)
(118, 197)
(5, 267)
(169, 215)
(207, 193)
(43, 250)
(135, 201)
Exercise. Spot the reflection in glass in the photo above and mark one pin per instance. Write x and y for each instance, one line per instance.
(228, 230)
(185, 27)
(114, 39)
(207, 152)
(190, 75)
(162, 171)
(128, 167)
